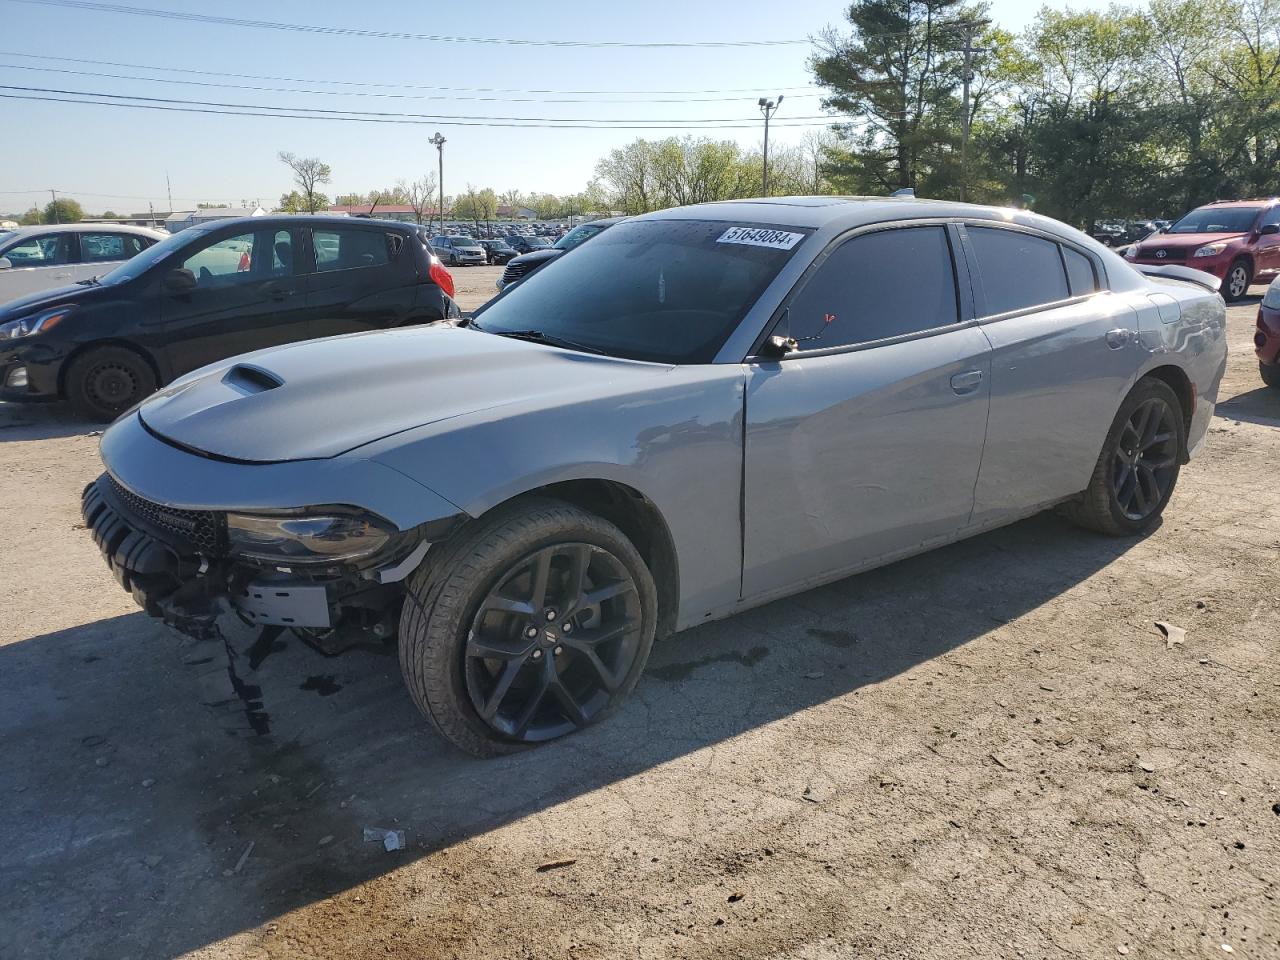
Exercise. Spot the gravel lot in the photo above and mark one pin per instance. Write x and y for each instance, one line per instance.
(988, 751)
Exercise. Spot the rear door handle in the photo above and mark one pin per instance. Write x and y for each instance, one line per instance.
(967, 382)
(1118, 338)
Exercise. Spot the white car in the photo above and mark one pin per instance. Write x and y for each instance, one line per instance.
(33, 259)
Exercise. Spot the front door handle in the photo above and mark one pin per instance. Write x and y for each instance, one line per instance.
(1118, 338)
(277, 292)
(967, 382)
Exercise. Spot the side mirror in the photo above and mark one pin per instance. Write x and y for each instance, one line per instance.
(6, 263)
(179, 280)
(1268, 229)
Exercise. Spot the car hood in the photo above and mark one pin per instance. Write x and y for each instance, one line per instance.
(22, 306)
(538, 256)
(1183, 241)
(322, 398)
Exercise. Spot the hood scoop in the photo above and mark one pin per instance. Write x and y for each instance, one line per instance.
(250, 379)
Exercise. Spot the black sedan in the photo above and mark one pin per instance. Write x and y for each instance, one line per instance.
(498, 251)
(527, 244)
(522, 266)
(207, 293)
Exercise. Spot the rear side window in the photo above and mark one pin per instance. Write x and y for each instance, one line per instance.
(1018, 270)
(344, 249)
(96, 247)
(1080, 273)
(52, 250)
(875, 286)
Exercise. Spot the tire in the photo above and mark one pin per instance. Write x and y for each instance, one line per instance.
(1110, 504)
(457, 609)
(104, 382)
(1239, 278)
(1270, 373)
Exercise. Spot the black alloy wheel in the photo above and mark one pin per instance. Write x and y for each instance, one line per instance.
(553, 642)
(1146, 459)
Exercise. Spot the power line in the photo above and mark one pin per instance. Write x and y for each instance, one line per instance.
(364, 93)
(393, 34)
(706, 121)
(360, 83)
(399, 119)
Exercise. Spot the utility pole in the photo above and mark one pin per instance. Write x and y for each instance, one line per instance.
(767, 109)
(439, 142)
(169, 187)
(152, 207)
(968, 27)
(54, 205)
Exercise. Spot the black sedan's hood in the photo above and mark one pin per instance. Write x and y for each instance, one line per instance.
(32, 302)
(537, 257)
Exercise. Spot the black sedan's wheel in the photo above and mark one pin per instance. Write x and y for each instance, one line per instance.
(1238, 279)
(103, 383)
(1138, 467)
(534, 624)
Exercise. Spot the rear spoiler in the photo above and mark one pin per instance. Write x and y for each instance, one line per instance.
(1172, 271)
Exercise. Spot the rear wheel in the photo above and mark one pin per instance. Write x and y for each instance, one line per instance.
(1238, 279)
(534, 624)
(1138, 467)
(104, 382)
(1270, 374)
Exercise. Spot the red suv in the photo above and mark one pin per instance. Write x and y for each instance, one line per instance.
(1238, 241)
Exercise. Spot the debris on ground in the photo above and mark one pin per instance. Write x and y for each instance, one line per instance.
(1147, 767)
(556, 864)
(244, 857)
(325, 840)
(149, 782)
(390, 839)
(816, 675)
(1172, 635)
(736, 896)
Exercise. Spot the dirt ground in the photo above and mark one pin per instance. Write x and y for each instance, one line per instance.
(988, 751)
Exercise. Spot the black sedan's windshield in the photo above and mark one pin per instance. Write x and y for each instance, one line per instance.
(576, 236)
(1217, 220)
(669, 291)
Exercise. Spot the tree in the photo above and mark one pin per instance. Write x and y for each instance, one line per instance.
(308, 174)
(63, 210)
(30, 218)
(349, 200)
(894, 78)
(420, 194)
(110, 215)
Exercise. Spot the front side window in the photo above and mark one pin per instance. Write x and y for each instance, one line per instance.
(1018, 270)
(877, 285)
(1217, 220)
(343, 249)
(50, 250)
(669, 291)
(97, 247)
(227, 262)
(282, 254)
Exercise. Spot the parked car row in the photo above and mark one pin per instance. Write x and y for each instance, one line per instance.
(691, 413)
(534, 257)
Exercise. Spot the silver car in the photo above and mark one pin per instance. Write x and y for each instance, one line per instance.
(701, 410)
(34, 259)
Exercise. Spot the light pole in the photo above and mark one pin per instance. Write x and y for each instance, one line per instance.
(767, 108)
(439, 141)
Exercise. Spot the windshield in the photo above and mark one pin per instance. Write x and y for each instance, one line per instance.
(576, 236)
(536, 242)
(1217, 220)
(669, 291)
(136, 266)
(463, 242)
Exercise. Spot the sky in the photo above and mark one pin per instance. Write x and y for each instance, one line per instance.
(117, 158)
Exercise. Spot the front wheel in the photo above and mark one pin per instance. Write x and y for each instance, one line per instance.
(104, 382)
(1138, 467)
(1238, 279)
(535, 623)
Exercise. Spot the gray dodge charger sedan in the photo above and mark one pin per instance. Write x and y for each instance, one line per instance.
(701, 410)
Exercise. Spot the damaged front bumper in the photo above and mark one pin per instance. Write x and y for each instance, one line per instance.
(174, 563)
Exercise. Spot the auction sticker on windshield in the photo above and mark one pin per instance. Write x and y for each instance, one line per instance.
(761, 237)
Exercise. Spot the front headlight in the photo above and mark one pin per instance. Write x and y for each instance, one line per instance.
(1272, 299)
(1209, 250)
(36, 323)
(1131, 252)
(303, 538)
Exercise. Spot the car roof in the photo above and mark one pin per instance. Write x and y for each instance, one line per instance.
(84, 228)
(844, 213)
(309, 219)
(1252, 202)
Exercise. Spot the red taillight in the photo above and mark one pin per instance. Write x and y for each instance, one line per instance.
(442, 277)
